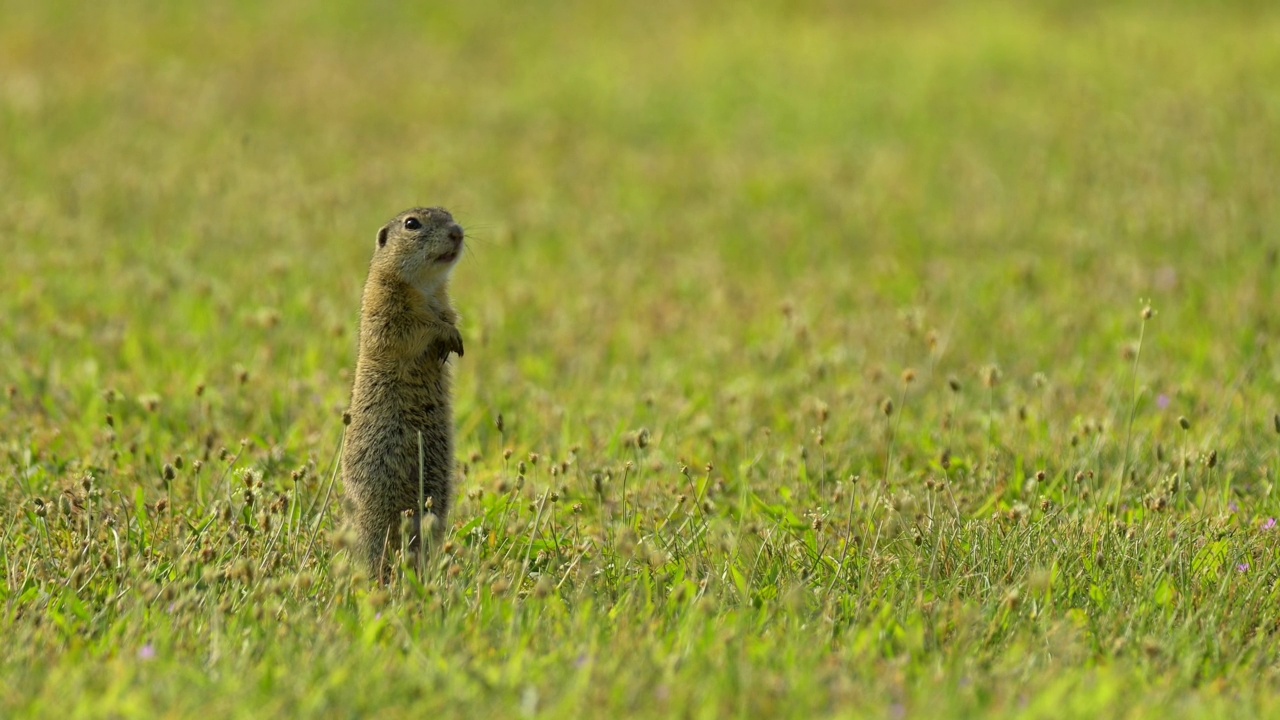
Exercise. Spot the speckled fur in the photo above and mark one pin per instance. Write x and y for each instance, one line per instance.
(402, 386)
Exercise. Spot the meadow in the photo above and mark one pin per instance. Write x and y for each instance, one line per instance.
(822, 359)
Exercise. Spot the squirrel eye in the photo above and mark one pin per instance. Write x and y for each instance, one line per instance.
(412, 224)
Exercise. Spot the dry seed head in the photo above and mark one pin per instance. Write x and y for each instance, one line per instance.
(886, 407)
(1147, 312)
(346, 417)
(1212, 460)
(168, 472)
(506, 454)
(1183, 422)
(543, 587)
(990, 376)
(908, 376)
(954, 384)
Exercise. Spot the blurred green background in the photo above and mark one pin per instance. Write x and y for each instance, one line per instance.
(1017, 171)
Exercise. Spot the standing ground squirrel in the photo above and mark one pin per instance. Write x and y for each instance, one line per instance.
(402, 386)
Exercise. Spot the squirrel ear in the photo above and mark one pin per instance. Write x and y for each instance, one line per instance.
(382, 236)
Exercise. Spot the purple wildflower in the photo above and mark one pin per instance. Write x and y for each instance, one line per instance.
(1268, 524)
(1242, 567)
(147, 652)
(1162, 401)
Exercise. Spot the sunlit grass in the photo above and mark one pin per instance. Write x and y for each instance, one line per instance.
(809, 364)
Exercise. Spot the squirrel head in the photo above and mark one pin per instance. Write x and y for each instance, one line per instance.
(420, 245)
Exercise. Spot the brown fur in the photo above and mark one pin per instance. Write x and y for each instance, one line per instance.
(402, 386)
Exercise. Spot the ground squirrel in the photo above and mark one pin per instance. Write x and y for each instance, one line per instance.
(402, 386)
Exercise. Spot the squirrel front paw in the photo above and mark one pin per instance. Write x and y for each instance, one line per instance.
(449, 342)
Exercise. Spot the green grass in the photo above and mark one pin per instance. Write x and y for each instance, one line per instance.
(816, 334)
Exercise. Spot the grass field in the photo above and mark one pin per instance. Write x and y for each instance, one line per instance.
(905, 359)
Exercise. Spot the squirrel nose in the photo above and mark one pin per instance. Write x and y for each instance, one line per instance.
(455, 233)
